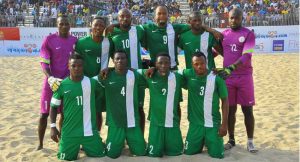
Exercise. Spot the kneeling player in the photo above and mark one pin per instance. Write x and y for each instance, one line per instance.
(122, 108)
(204, 91)
(165, 92)
(77, 92)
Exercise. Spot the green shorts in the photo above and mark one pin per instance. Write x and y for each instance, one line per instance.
(116, 137)
(164, 140)
(198, 136)
(69, 147)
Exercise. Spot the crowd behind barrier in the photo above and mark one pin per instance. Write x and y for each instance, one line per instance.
(215, 12)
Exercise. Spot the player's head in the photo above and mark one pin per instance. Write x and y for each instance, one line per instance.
(163, 63)
(125, 18)
(120, 60)
(161, 15)
(75, 65)
(235, 18)
(63, 25)
(195, 21)
(98, 26)
(199, 63)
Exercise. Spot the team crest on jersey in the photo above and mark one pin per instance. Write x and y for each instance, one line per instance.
(242, 39)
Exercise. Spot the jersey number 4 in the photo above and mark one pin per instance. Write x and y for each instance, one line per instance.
(123, 91)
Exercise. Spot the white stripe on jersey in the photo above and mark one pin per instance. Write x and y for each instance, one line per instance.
(208, 99)
(133, 48)
(204, 45)
(54, 101)
(130, 78)
(171, 41)
(105, 53)
(86, 107)
(170, 100)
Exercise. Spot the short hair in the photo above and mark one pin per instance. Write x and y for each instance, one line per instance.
(162, 54)
(119, 51)
(161, 5)
(75, 56)
(62, 17)
(194, 14)
(199, 54)
(104, 19)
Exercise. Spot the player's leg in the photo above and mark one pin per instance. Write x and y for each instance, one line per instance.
(247, 100)
(232, 97)
(141, 108)
(173, 141)
(194, 140)
(214, 143)
(136, 141)
(155, 141)
(115, 142)
(93, 146)
(45, 107)
(68, 148)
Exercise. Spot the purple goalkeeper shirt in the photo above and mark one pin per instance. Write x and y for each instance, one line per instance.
(55, 52)
(238, 45)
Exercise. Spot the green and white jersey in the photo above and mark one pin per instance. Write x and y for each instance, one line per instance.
(163, 40)
(204, 93)
(121, 94)
(79, 109)
(96, 55)
(130, 41)
(191, 43)
(165, 95)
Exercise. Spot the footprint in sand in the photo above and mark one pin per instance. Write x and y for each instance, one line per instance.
(14, 144)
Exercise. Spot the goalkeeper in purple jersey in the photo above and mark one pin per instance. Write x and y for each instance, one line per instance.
(55, 51)
(238, 45)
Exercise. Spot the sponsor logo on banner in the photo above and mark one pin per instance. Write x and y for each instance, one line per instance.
(293, 44)
(78, 34)
(271, 34)
(259, 47)
(278, 45)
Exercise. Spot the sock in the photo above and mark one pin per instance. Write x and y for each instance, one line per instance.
(231, 137)
(250, 140)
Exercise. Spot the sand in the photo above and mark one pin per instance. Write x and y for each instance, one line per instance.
(276, 113)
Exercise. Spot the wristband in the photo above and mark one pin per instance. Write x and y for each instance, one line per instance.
(52, 125)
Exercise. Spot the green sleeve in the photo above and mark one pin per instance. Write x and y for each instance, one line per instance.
(56, 99)
(212, 40)
(77, 47)
(183, 78)
(141, 80)
(221, 87)
(181, 28)
(111, 48)
(141, 35)
(179, 44)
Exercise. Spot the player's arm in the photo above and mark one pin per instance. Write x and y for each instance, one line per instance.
(183, 78)
(218, 35)
(55, 103)
(181, 28)
(222, 90)
(217, 47)
(45, 64)
(110, 28)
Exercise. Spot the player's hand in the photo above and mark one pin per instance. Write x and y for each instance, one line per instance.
(54, 83)
(146, 63)
(223, 130)
(55, 135)
(224, 72)
(103, 73)
(150, 72)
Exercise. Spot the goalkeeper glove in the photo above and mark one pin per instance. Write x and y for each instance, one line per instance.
(54, 83)
(225, 72)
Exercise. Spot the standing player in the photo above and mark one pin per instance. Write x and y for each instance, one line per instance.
(129, 38)
(55, 52)
(198, 40)
(78, 94)
(238, 46)
(122, 114)
(162, 36)
(165, 93)
(95, 51)
(205, 89)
